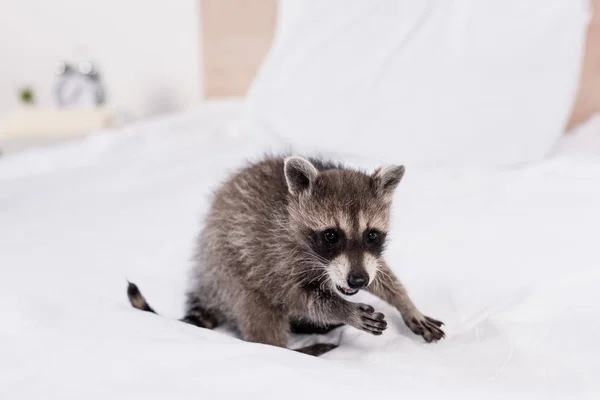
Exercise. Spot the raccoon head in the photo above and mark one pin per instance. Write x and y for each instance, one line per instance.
(342, 218)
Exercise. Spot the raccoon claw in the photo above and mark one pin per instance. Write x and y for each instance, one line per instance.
(371, 321)
(427, 327)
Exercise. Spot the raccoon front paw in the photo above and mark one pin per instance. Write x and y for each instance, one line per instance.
(370, 321)
(425, 326)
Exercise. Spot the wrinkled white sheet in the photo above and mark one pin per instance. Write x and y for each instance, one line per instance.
(509, 260)
(432, 82)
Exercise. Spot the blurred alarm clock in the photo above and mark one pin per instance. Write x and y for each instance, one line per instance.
(79, 87)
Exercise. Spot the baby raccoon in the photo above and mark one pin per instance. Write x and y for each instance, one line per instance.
(285, 241)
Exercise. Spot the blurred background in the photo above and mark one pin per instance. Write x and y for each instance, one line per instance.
(147, 52)
(75, 66)
(125, 59)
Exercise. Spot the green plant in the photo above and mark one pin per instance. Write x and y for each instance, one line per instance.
(27, 96)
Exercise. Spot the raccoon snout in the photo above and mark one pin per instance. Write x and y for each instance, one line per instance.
(358, 281)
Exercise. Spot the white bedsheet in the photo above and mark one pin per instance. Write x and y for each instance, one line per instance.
(509, 260)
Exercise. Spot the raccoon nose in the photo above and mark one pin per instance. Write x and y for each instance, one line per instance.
(358, 281)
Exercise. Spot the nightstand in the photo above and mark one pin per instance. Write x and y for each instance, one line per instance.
(37, 126)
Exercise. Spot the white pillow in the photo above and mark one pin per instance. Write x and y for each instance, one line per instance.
(420, 82)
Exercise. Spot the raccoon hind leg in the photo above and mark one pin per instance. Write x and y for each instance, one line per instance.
(259, 322)
(305, 327)
(317, 349)
(198, 315)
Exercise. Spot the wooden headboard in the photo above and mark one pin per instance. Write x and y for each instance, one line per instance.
(236, 35)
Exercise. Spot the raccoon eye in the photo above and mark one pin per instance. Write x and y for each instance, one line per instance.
(372, 236)
(331, 236)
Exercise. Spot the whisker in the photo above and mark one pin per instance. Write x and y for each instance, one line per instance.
(384, 274)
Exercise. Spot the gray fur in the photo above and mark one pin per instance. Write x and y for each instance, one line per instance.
(264, 264)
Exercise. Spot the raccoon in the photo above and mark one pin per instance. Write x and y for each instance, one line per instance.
(286, 241)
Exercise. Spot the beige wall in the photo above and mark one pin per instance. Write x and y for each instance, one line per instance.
(588, 100)
(236, 36)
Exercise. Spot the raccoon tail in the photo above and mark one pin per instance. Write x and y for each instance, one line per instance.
(195, 315)
(136, 299)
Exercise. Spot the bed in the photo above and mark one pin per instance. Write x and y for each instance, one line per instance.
(507, 258)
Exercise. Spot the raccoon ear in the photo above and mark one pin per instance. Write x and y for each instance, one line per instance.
(299, 173)
(387, 178)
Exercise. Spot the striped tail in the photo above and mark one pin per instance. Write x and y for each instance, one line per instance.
(195, 315)
(136, 299)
